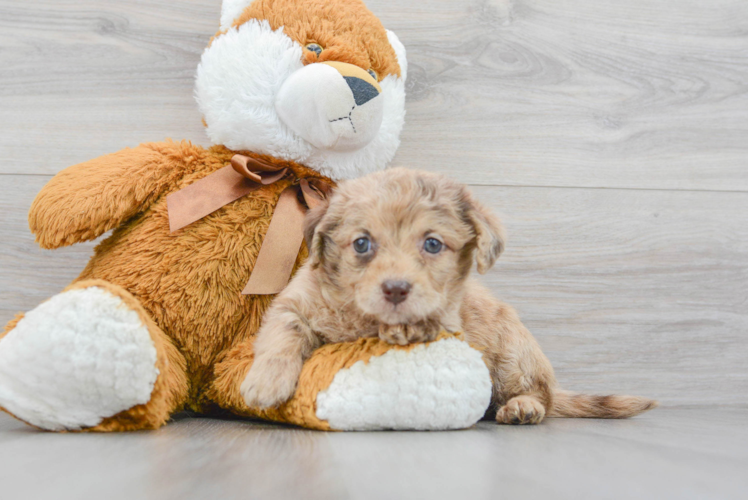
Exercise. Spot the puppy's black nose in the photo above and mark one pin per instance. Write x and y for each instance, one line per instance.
(395, 291)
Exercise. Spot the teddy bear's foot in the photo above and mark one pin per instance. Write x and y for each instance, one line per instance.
(371, 384)
(88, 357)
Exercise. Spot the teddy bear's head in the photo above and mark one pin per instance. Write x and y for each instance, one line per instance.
(319, 82)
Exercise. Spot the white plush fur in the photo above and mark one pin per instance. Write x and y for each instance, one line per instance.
(331, 120)
(230, 10)
(442, 385)
(76, 359)
(237, 84)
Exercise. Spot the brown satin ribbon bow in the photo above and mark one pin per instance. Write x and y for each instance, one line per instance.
(281, 245)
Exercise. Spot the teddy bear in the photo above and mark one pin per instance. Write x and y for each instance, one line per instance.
(295, 95)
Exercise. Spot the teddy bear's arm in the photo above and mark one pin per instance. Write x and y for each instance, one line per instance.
(86, 200)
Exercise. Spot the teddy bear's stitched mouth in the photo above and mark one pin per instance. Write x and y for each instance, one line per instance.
(349, 118)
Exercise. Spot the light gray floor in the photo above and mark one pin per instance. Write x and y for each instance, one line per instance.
(666, 454)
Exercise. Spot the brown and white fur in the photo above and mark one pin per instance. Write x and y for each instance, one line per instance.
(403, 291)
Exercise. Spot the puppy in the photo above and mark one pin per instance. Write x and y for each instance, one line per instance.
(390, 255)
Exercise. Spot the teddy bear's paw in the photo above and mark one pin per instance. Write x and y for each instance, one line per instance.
(75, 360)
(270, 382)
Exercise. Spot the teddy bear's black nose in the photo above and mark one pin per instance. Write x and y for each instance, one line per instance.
(395, 291)
(363, 91)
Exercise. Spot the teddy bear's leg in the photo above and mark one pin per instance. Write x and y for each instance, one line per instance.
(230, 372)
(90, 358)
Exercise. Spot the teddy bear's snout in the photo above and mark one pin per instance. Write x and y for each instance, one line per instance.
(332, 105)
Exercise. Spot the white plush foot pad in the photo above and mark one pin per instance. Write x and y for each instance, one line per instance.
(76, 359)
(436, 386)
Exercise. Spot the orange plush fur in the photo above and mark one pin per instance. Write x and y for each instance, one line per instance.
(347, 30)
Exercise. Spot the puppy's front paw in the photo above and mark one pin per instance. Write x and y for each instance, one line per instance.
(270, 383)
(409, 334)
(521, 410)
(393, 334)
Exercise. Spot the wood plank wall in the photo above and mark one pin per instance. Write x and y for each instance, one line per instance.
(611, 136)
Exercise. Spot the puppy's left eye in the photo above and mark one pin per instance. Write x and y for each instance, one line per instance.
(432, 245)
(362, 245)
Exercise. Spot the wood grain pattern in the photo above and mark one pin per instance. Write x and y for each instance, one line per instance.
(634, 291)
(668, 454)
(633, 94)
(28, 274)
(641, 289)
(627, 291)
(86, 78)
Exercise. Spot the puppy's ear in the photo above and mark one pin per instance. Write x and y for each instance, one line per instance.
(489, 233)
(311, 222)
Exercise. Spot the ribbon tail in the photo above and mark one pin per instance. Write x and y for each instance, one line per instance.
(280, 247)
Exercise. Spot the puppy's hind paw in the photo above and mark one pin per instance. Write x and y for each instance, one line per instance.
(521, 410)
(269, 383)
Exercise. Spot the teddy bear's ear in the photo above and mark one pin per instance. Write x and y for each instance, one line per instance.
(402, 60)
(230, 10)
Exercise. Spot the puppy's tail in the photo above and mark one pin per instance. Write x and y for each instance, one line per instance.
(570, 404)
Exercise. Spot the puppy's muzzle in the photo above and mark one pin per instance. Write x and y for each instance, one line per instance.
(332, 105)
(395, 291)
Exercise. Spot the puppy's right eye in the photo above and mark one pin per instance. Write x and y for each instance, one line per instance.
(432, 245)
(362, 245)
